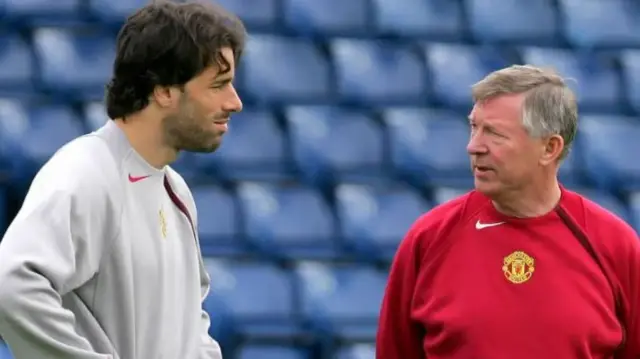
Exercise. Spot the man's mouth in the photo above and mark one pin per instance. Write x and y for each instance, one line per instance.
(482, 169)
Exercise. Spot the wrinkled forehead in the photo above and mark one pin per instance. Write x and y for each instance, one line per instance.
(504, 108)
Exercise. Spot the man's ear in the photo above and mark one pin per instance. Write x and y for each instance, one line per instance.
(165, 97)
(553, 148)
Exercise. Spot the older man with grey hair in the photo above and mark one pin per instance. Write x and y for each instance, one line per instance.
(520, 266)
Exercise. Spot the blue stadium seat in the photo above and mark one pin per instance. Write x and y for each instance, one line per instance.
(610, 149)
(455, 67)
(251, 299)
(327, 17)
(50, 128)
(606, 201)
(598, 84)
(630, 61)
(508, 20)
(377, 73)
(424, 18)
(341, 301)
(4, 351)
(278, 69)
(442, 195)
(14, 124)
(261, 14)
(428, 147)
(374, 221)
(31, 135)
(185, 166)
(114, 12)
(357, 351)
(288, 221)
(254, 149)
(218, 221)
(571, 172)
(95, 116)
(41, 12)
(4, 221)
(72, 64)
(591, 23)
(634, 202)
(17, 70)
(324, 149)
(270, 352)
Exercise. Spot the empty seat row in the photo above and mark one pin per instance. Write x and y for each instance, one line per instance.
(261, 300)
(29, 135)
(315, 143)
(67, 12)
(73, 66)
(56, 62)
(384, 72)
(358, 222)
(583, 23)
(293, 221)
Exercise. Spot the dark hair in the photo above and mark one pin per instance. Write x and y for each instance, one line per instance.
(168, 44)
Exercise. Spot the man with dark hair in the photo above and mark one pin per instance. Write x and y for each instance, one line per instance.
(103, 259)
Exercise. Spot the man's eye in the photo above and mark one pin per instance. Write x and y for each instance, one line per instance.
(220, 85)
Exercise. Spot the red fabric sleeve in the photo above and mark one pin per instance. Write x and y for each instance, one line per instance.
(399, 337)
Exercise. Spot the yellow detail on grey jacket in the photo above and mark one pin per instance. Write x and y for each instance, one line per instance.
(87, 269)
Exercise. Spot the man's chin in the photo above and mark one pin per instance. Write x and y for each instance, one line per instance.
(488, 188)
(208, 148)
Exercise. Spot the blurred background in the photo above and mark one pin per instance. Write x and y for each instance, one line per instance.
(355, 124)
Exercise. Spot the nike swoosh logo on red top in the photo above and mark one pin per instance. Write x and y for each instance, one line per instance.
(480, 225)
(133, 179)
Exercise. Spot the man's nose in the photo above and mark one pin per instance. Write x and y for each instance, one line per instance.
(476, 145)
(233, 102)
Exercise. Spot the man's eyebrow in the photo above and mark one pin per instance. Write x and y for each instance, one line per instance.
(222, 79)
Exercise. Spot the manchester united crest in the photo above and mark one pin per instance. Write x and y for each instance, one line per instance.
(518, 267)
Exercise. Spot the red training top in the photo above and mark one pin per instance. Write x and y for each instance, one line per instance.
(470, 283)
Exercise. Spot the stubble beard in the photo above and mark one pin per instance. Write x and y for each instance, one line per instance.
(183, 132)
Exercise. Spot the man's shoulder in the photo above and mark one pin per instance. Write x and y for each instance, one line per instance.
(595, 219)
(176, 178)
(178, 183)
(180, 187)
(612, 237)
(84, 163)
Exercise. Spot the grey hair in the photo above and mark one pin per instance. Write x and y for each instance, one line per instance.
(550, 107)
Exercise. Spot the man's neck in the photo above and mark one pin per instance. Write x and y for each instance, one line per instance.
(531, 202)
(147, 142)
